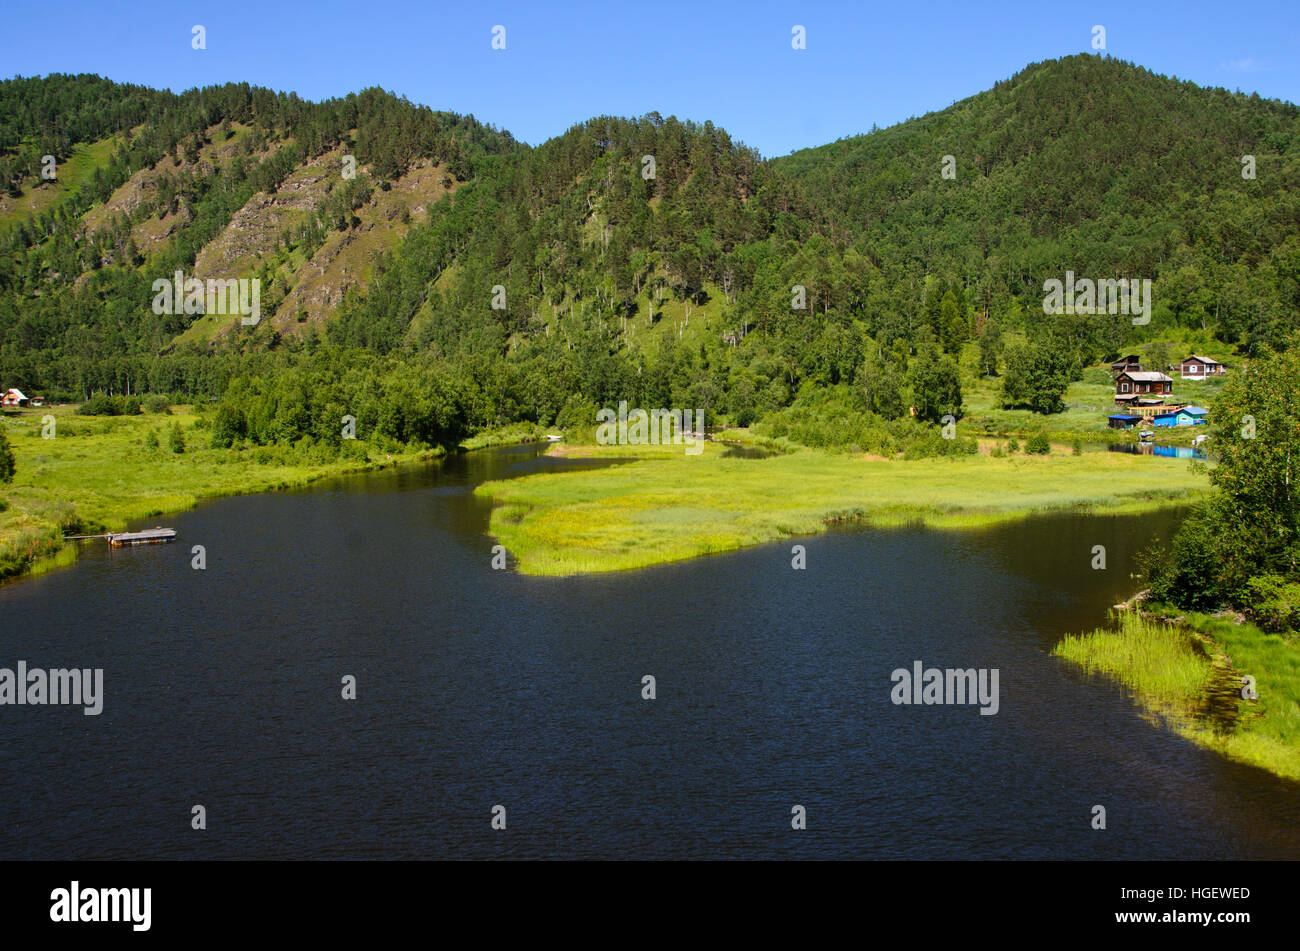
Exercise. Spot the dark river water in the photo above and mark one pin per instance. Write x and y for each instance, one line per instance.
(478, 688)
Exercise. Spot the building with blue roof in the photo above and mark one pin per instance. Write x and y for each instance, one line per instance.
(1185, 416)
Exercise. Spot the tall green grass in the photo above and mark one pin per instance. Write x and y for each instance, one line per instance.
(1269, 735)
(1190, 673)
(1157, 660)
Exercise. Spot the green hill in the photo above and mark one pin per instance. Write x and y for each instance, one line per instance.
(1090, 165)
(649, 259)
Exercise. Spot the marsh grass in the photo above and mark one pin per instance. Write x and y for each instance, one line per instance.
(513, 435)
(666, 506)
(1188, 674)
(1161, 663)
(1269, 728)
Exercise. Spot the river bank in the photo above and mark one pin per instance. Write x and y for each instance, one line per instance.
(1186, 670)
(97, 474)
(100, 473)
(662, 505)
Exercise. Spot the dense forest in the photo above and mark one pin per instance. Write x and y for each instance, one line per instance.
(650, 259)
(1092, 165)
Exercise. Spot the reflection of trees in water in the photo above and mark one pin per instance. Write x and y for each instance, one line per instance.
(1053, 551)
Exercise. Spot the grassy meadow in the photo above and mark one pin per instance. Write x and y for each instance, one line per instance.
(1188, 674)
(660, 505)
(98, 473)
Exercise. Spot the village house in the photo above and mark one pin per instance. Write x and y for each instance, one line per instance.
(1198, 368)
(1131, 362)
(13, 398)
(1143, 393)
(1131, 385)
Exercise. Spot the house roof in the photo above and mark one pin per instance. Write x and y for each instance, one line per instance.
(1202, 359)
(1197, 410)
(16, 393)
(1123, 416)
(1147, 376)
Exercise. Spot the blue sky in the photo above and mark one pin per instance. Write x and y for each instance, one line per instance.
(732, 63)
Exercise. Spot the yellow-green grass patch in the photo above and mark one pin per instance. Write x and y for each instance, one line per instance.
(661, 505)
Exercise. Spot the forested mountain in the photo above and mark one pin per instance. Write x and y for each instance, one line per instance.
(1092, 165)
(649, 259)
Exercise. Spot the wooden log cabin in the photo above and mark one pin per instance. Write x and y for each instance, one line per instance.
(1198, 368)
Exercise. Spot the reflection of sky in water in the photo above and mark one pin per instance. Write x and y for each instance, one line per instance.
(1152, 449)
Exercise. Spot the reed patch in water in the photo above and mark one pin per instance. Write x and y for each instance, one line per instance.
(1188, 674)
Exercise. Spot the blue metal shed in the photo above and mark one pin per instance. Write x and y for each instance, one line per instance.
(1187, 416)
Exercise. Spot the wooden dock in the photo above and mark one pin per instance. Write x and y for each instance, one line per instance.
(150, 536)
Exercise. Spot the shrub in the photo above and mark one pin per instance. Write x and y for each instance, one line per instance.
(1188, 573)
(1076, 448)
(101, 404)
(928, 443)
(1274, 602)
(229, 426)
(98, 405)
(7, 464)
(157, 404)
(924, 447)
(1013, 447)
(176, 439)
(830, 419)
(960, 446)
(578, 419)
(1038, 445)
(151, 440)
